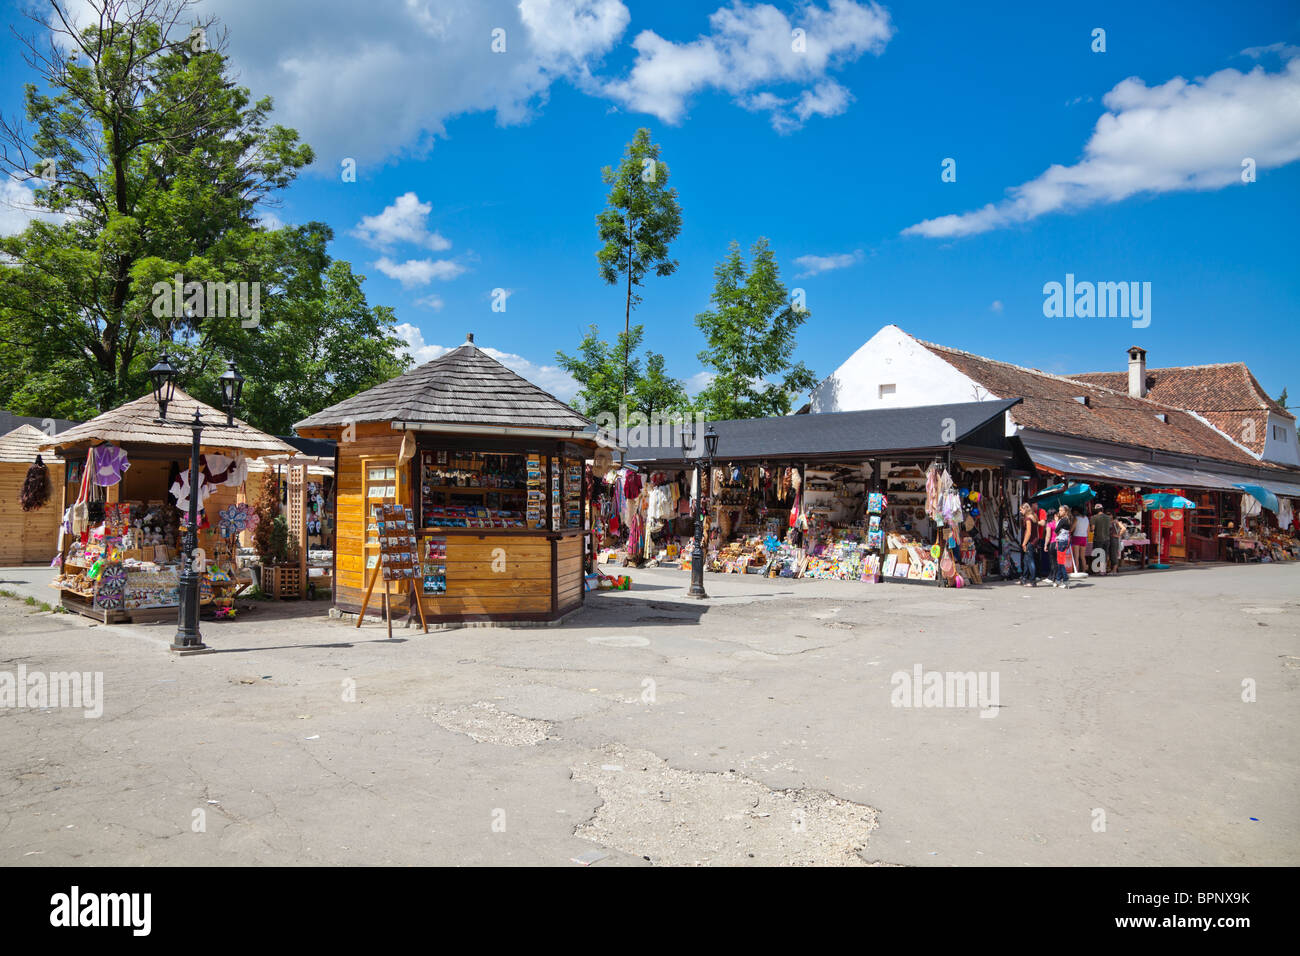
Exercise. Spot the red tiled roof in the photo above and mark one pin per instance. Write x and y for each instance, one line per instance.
(1051, 405)
(1229, 387)
(1226, 394)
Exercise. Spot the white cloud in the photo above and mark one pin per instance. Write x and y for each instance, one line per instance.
(699, 382)
(18, 208)
(406, 220)
(415, 272)
(382, 81)
(416, 346)
(751, 47)
(270, 221)
(549, 377)
(996, 306)
(1177, 136)
(814, 265)
(431, 302)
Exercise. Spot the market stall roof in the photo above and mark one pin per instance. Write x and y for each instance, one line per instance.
(860, 435)
(464, 387)
(136, 423)
(21, 445)
(1144, 474)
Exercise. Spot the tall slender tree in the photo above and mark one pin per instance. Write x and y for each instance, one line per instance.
(750, 337)
(597, 366)
(641, 218)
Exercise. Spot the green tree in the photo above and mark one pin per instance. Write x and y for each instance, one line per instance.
(599, 366)
(656, 392)
(640, 219)
(750, 339)
(150, 162)
(1281, 399)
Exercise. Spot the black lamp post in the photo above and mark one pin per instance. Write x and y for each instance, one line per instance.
(232, 387)
(697, 556)
(163, 375)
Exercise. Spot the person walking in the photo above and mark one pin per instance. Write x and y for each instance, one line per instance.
(1079, 540)
(1028, 546)
(1101, 536)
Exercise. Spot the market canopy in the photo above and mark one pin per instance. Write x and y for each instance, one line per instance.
(464, 387)
(136, 423)
(855, 436)
(1140, 473)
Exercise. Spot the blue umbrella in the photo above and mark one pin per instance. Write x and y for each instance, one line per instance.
(1262, 495)
(1165, 500)
(1057, 495)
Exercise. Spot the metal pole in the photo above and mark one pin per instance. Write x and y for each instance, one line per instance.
(697, 556)
(188, 637)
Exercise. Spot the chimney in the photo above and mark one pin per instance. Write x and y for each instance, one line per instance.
(1137, 372)
(469, 338)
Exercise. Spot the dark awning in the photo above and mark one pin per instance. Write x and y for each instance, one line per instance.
(1141, 473)
(846, 436)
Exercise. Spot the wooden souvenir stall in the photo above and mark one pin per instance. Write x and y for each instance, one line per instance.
(490, 467)
(27, 537)
(122, 561)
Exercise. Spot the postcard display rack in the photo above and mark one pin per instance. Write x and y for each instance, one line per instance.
(390, 533)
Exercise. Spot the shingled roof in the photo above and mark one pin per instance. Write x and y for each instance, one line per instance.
(466, 386)
(137, 423)
(1051, 404)
(1227, 395)
(22, 444)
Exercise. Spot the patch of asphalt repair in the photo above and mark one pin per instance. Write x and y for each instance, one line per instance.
(685, 818)
(485, 723)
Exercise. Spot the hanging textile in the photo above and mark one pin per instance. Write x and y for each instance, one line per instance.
(110, 465)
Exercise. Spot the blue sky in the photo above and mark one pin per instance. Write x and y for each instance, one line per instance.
(502, 153)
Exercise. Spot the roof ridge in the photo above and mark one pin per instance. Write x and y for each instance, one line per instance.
(1050, 375)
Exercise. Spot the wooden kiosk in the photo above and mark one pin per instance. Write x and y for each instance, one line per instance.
(491, 469)
(26, 537)
(154, 451)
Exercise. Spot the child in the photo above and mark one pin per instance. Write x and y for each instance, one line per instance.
(1061, 574)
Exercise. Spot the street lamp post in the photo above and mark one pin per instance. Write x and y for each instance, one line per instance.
(163, 376)
(697, 555)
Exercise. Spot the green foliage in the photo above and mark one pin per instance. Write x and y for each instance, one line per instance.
(641, 218)
(279, 540)
(599, 367)
(156, 164)
(750, 339)
(267, 509)
(1281, 399)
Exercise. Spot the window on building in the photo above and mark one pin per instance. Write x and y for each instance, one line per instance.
(1279, 433)
(887, 390)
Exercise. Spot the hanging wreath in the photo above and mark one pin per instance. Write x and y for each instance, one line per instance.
(36, 487)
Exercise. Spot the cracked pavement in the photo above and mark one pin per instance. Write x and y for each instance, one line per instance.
(756, 728)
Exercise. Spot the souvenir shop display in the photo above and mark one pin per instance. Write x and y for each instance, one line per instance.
(467, 489)
(433, 565)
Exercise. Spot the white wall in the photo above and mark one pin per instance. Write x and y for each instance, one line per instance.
(1282, 452)
(892, 357)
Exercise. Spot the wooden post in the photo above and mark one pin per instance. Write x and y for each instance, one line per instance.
(388, 609)
(365, 601)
